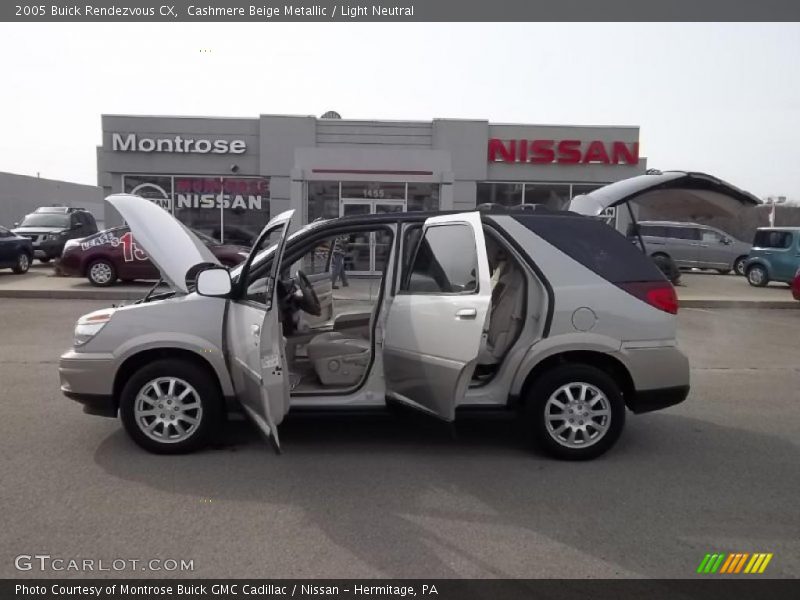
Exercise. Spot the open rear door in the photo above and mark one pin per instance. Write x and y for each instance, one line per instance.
(438, 318)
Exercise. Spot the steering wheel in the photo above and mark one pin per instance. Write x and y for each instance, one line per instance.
(310, 301)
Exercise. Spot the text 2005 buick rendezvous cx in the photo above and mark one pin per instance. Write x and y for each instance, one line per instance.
(554, 314)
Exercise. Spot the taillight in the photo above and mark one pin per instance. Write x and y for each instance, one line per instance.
(659, 294)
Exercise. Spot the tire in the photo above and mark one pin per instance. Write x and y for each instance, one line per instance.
(738, 265)
(101, 273)
(549, 390)
(23, 263)
(174, 434)
(757, 276)
(668, 267)
(723, 271)
(44, 260)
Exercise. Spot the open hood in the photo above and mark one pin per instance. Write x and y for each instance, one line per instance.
(680, 194)
(171, 247)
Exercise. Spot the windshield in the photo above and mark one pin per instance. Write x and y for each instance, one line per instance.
(45, 220)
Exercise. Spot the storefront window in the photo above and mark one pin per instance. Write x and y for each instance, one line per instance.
(229, 209)
(506, 194)
(423, 196)
(323, 200)
(552, 195)
(585, 188)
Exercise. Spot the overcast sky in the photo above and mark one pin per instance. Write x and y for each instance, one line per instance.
(719, 98)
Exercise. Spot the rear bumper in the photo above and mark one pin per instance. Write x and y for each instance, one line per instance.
(649, 400)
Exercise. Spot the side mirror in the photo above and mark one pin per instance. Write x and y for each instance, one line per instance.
(727, 241)
(16, 223)
(215, 282)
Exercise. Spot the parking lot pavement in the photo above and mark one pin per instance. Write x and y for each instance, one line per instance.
(408, 497)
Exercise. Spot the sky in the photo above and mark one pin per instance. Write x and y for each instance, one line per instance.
(718, 98)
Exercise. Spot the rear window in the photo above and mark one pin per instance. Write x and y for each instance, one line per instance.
(683, 233)
(772, 239)
(653, 230)
(595, 245)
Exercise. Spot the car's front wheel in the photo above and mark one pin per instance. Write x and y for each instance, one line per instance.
(22, 264)
(738, 265)
(171, 406)
(757, 276)
(575, 411)
(101, 273)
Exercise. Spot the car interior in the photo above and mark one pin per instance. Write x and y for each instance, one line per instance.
(329, 344)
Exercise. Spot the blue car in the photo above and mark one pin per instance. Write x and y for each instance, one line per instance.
(16, 252)
(775, 256)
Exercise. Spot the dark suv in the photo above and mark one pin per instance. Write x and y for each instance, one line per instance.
(49, 228)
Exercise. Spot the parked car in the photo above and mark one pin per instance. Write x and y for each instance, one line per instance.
(568, 322)
(692, 245)
(16, 252)
(115, 254)
(796, 285)
(50, 227)
(775, 256)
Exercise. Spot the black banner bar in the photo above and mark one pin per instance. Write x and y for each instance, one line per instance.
(398, 11)
(717, 588)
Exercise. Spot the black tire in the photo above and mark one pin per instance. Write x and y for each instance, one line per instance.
(536, 406)
(44, 260)
(209, 398)
(738, 265)
(98, 267)
(668, 267)
(22, 264)
(757, 276)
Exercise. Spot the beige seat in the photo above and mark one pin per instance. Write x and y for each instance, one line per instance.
(338, 359)
(506, 313)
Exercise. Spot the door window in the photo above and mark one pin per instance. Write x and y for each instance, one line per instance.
(258, 276)
(772, 239)
(711, 236)
(446, 262)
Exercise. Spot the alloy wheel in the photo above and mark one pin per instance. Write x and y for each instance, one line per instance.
(23, 263)
(577, 415)
(100, 272)
(168, 410)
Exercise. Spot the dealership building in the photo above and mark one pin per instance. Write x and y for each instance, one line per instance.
(226, 176)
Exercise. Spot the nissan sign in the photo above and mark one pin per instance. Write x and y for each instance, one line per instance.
(130, 142)
(563, 151)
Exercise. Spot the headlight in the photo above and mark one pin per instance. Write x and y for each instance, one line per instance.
(90, 325)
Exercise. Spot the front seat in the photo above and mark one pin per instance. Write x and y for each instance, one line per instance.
(338, 359)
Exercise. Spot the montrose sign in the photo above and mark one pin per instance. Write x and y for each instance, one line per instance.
(563, 152)
(130, 142)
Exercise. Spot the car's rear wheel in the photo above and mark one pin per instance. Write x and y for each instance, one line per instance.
(575, 411)
(101, 273)
(23, 263)
(738, 265)
(171, 406)
(757, 276)
(667, 266)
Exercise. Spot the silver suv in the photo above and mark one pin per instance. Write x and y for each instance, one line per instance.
(554, 314)
(693, 245)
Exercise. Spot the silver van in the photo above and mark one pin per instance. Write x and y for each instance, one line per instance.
(552, 315)
(693, 245)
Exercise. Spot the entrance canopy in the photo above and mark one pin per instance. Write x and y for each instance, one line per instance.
(680, 194)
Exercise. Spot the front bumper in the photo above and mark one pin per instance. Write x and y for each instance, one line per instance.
(89, 379)
(48, 249)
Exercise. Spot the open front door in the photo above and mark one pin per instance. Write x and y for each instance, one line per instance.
(255, 336)
(438, 317)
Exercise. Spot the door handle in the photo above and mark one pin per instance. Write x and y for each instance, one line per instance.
(466, 313)
(256, 330)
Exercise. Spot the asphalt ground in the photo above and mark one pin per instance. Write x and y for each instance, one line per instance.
(406, 496)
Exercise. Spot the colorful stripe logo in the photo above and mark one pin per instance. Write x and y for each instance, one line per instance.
(734, 563)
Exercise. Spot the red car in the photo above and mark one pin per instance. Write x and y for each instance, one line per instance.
(796, 285)
(113, 254)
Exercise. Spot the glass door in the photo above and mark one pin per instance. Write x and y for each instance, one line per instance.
(367, 252)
